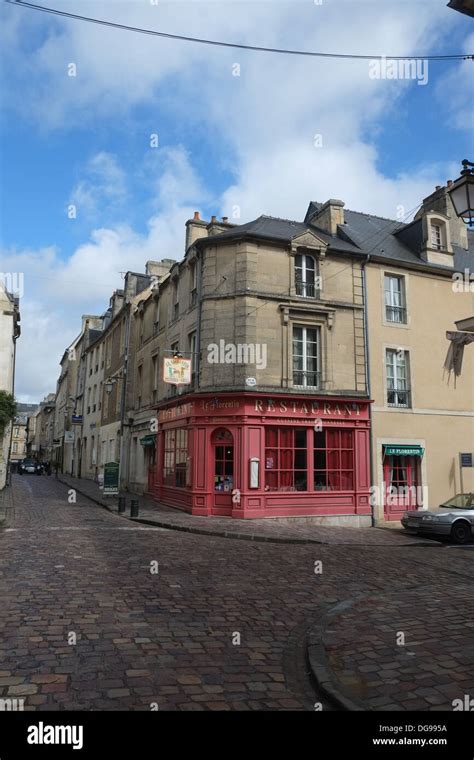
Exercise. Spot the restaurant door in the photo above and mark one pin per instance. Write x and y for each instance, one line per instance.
(402, 484)
(222, 443)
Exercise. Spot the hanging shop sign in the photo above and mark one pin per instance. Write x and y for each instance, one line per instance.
(177, 371)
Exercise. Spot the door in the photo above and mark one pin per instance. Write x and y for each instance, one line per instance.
(401, 485)
(223, 471)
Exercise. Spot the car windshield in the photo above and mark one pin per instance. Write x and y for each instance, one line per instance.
(460, 501)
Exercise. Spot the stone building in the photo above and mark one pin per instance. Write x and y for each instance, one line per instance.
(275, 421)
(420, 281)
(9, 333)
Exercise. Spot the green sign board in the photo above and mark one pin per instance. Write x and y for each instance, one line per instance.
(111, 478)
(148, 440)
(404, 451)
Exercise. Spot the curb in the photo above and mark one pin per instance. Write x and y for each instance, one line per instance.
(192, 529)
(319, 666)
(229, 534)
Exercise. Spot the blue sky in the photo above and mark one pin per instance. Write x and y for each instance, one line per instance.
(225, 141)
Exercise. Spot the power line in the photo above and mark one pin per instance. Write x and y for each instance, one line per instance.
(239, 46)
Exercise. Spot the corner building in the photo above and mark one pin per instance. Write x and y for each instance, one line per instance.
(284, 432)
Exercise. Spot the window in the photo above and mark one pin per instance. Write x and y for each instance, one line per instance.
(193, 278)
(15, 448)
(437, 237)
(156, 323)
(192, 342)
(175, 461)
(140, 329)
(285, 459)
(395, 306)
(398, 378)
(139, 385)
(306, 357)
(305, 276)
(154, 376)
(175, 300)
(16, 432)
(122, 337)
(118, 395)
(333, 460)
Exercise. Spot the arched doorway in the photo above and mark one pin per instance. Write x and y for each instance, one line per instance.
(222, 444)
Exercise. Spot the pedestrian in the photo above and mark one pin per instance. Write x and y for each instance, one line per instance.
(56, 468)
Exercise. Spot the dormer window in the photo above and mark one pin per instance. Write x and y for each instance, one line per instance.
(305, 276)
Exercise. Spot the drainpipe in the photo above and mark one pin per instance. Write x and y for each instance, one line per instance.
(198, 336)
(124, 452)
(367, 369)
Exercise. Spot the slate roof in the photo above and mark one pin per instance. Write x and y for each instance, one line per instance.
(361, 234)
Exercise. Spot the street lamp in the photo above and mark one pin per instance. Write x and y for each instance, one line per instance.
(461, 193)
(109, 384)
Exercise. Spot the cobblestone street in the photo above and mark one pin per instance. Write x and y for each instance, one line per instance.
(224, 624)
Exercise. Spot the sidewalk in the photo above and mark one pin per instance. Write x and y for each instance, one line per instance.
(409, 649)
(6, 503)
(275, 530)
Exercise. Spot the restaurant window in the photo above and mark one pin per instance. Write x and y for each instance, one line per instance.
(333, 460)
(398, 378)
(175, 458)
(395, 304)
(285, 459)
(305, 276)
(306, 357)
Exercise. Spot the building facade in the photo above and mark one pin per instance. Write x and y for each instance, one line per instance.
(418, 286)
(9, 333)
(276, 421)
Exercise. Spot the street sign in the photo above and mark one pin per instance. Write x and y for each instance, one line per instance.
(111, 478)
(69, 436)
(76, 419)
(466, 460)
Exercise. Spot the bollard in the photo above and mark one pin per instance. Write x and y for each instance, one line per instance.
(121, 504)
(133, 507)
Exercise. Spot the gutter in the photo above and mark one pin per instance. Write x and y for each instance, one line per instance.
(367, 369)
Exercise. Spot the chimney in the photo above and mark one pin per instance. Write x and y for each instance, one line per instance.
(213, 219)
(329, 216)
(449, 182)
(195, 229)
(225, 219)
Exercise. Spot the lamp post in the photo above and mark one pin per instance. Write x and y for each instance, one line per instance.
(461, 193)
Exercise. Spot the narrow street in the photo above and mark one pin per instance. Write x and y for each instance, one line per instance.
(90, 621)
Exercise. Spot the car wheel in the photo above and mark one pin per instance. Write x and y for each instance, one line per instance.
(461, 532)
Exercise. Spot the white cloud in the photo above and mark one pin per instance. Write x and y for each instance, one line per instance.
(262, 125)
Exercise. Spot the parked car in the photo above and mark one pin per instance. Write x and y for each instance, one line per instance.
(454, 519)
(30, 466)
